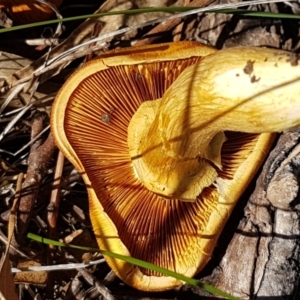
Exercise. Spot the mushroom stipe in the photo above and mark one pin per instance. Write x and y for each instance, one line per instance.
(185, 139)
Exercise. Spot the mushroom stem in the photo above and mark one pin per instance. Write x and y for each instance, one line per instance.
(175, 142)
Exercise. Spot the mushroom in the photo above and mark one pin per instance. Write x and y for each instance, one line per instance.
(238, 89)
(166, 138)
(28, 11)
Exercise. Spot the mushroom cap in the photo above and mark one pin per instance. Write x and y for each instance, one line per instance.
(89, 123)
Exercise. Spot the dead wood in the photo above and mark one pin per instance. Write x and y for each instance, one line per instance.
(40, 153)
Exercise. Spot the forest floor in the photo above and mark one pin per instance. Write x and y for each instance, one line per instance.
(59, 209)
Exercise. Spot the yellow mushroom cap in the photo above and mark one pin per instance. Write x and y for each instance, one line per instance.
(89, 122)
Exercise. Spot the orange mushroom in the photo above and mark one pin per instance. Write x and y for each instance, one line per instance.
(28, 11)
(139, 109)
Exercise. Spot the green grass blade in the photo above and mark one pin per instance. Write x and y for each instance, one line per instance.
(155, 9)
(137, 262)
(112, 13)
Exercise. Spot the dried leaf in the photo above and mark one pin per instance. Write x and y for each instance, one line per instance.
(7, 284)
(10, 63)
(85, 30)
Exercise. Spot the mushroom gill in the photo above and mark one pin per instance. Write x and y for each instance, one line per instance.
(89, 122)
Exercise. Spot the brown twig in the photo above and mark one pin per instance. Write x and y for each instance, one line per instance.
(55, 197)
(39, 157)
(52, 214)
(153, 34)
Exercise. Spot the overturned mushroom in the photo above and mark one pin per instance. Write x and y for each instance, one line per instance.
(167, 153)
(139, 158)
